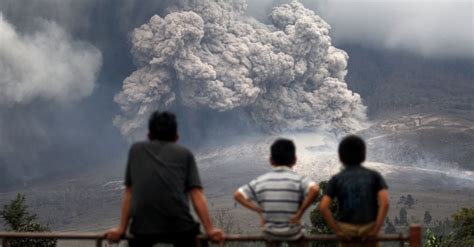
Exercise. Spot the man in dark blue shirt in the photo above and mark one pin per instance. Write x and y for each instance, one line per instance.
(361, 193)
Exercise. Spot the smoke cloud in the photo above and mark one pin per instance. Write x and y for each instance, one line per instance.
(209, 55)
(440, 28)
(43, 72)
(45, 65)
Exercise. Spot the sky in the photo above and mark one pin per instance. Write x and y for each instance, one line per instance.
(63, 61)
(436, 29)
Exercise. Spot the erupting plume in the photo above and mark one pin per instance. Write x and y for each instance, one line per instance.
(207, 54)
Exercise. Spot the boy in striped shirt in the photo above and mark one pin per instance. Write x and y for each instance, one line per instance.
(280, 197)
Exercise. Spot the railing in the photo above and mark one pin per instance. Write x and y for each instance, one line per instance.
(413, 237)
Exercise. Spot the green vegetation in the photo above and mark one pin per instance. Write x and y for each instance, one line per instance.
(458, 232)
(389, 227)
(17, 218)
(319, 226)
(427, 218)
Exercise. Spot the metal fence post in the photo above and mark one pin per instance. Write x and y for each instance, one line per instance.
(98, 243)
(415, 236)
(401, 242)
(4, 242)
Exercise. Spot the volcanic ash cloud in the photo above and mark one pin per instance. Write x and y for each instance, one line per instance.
(208, 55)
(46, 65)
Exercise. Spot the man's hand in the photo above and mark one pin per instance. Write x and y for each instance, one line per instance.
(216, 235)
(200, 206)
(114, 235)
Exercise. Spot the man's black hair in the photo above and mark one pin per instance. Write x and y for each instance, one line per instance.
(163, 126)
(283, 152)
(352, 150)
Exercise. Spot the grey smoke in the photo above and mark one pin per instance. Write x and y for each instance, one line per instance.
(439, 29)
(45, 65)
(209, 55)
(44, 73)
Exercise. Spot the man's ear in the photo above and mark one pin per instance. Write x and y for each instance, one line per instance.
(271, 161)
(150, 137)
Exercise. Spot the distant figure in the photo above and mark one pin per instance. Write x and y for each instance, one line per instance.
(280, 197)
(160, 175)
(361, 193)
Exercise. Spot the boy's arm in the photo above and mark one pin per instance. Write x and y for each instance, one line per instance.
(240, 198)
(313, 192)
(327, 214)
(200, 206)
(115, 234)
(381, 213)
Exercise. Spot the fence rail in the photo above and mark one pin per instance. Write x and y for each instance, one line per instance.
(413, 237)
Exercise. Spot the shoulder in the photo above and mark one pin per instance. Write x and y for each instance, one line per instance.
(177, 148)
(280, 176)
(168, 147)
(372, 172)
(338, 175)
(264, 177)
(139, 145)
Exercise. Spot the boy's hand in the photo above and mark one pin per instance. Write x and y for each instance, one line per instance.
(371, 234)
(262, 219)
(342, 235)
(296, 219)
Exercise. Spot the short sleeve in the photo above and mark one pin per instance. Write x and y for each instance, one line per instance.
(306, 183)
(380, 183)
(130, 162)
(330, 189)
(248, 191)
(192, 176)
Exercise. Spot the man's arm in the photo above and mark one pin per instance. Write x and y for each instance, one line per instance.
(327, 214)
(115, 234)
(313, 192)
(381, 213)
(200, 206)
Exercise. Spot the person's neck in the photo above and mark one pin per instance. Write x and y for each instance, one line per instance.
(353, 166)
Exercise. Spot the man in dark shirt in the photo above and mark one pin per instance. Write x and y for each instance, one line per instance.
(160, 175)
(361, 193)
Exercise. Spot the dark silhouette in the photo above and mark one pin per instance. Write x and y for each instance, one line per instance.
(361, 193)
(160, 176)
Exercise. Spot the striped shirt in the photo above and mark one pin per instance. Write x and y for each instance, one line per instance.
(279, 193)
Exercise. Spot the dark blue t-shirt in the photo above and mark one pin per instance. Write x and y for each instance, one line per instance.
(356, 189)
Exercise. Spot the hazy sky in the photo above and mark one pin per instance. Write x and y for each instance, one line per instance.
(432, 28)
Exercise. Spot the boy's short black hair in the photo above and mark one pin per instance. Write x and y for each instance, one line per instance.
(352, 150)
(163, 126)
(283, 152)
